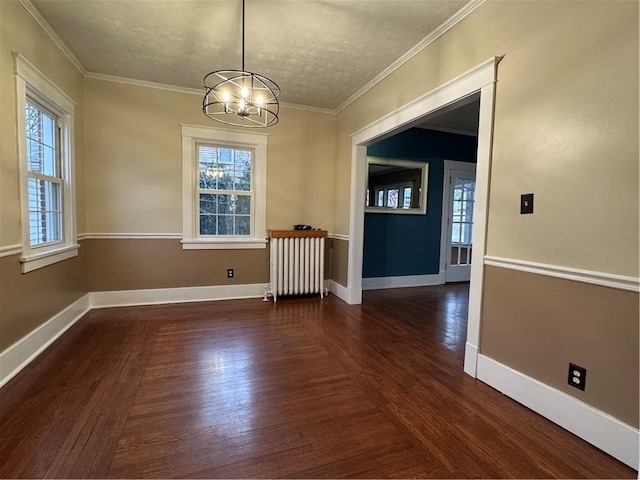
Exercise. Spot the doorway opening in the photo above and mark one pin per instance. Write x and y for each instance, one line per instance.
(477, 81)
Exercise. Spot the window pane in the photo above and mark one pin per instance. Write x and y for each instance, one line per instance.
(208, 224)
(207, 204)
(41, 153)
(34, 123)
(243, 204)
(49, 161)
(243, 160)
(225, 224)
(35, 157)
(469, 189)
(48, 130)
(465, 233)
(225, 155)
(243, 225)
(243, 170)
(226, 204)
(392, 198)
(225, 178)
(380, 199)
(45, 212)
(242, 181)
(455, 233)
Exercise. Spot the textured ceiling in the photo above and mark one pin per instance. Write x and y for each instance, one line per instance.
(319, 52)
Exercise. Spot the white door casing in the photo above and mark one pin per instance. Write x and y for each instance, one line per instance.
(480, 79)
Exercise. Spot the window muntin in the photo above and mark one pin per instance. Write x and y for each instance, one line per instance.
(44, 190)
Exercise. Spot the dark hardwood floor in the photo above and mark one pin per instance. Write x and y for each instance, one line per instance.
(305, 388)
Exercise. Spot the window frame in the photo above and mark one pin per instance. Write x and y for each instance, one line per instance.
(31, 84)
(192, 135)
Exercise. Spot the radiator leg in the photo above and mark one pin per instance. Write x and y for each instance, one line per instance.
(265, 298)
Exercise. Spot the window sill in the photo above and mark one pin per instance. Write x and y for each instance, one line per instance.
(234, 244)
(35, 261)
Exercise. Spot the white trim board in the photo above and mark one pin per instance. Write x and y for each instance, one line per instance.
(339, 291)
(376, 283)
(596, 427)
(602, 279)
(338, 236)
(25, 350)
(10, 250)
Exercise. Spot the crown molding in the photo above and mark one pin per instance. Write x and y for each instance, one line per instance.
(456, 18)
(35, 14)
(144, 83)
(433, 36)
(191, 91)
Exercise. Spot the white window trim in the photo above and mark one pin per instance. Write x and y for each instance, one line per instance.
(191, 135)
(33, 83)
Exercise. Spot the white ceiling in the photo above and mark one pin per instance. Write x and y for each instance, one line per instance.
(461, 117)
(320, 52)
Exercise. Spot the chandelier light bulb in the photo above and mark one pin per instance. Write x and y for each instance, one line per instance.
(226, 97)
(245, 92)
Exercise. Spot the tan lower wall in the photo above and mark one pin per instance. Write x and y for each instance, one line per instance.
(339, 261)
(28, 300)
(537, 324)
(133, 264)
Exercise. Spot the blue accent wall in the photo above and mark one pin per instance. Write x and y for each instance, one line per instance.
(398, 245)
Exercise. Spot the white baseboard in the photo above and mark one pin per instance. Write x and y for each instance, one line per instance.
(21, 353)
(470, 359)
(123, 298)
(443, 277)
(376, 283)
(596, 427)
(339, 291)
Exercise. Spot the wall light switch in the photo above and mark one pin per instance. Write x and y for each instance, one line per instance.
(526, 203)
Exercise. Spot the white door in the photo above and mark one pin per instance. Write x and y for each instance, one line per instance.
(462, 192)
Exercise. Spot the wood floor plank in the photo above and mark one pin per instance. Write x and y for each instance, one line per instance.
(302, 389)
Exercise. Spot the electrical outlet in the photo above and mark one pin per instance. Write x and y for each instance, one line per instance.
(526, 203)
(229, 272)
(577, 376)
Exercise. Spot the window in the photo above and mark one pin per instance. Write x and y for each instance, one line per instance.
(224, 188)
(406, 197)
(44, 184)
(45, 153)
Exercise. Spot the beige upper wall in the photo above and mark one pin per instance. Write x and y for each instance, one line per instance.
(134, 166)
(566, 126)
(20, 33)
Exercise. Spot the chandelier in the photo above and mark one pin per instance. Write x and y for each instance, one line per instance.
(239, 97)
